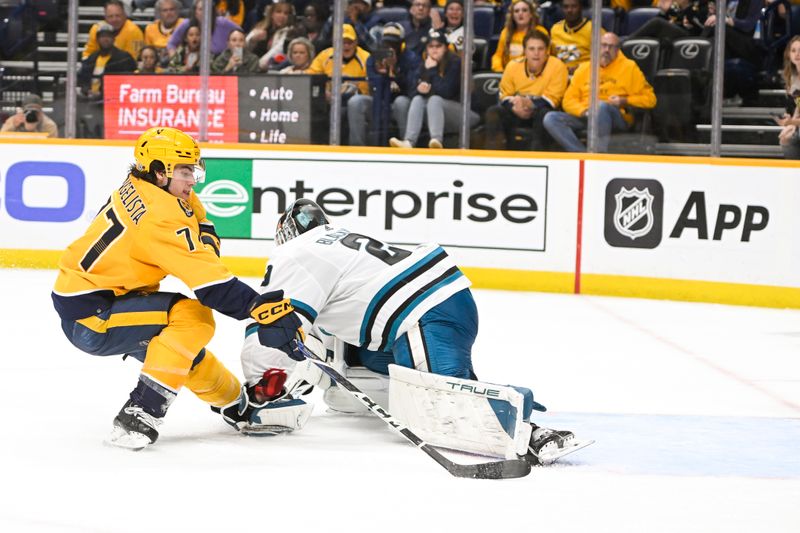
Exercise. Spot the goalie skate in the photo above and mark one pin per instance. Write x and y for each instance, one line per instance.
(548, 445)
(552, 455)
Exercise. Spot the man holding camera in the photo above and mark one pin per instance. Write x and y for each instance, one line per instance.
(31, 119)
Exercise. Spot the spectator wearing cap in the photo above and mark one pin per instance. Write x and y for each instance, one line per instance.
(108, 59)
(354, 65)
(521, 18)
(221, 28)
(301, 52)
(126, 35)
(158, 32)
(422, 20)
(31, 119)
(437, 95)
(357, 13)
(391, 72)
(531, 87)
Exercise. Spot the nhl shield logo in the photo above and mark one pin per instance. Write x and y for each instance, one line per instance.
(633, 215)
(634, 212)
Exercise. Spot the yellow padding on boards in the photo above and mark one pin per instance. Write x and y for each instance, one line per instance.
(212, 382)
(691, 290)
(117, 320)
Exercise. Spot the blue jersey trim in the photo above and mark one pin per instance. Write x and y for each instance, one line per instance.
(392, 286)
(410, 306)
(304, 309)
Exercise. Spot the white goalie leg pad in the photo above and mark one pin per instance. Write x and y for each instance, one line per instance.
(374, 385)
(460, 414)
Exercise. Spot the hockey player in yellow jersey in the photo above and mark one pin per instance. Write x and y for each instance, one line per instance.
(107, 293)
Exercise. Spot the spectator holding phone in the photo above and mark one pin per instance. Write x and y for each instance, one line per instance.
(391, 71)
(438, 95)
(236, 59)
(31, 119)
(788, 137)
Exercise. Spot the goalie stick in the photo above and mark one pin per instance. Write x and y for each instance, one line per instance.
(505, 469)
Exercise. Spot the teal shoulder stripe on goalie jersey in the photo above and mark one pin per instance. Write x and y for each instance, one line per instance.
(304, 309)
(393, 286)
(394, 322)
(250, 329)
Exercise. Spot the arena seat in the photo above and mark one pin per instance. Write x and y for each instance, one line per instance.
(646, 53)
(638, 17)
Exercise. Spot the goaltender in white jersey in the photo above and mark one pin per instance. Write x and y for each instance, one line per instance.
(411, 309)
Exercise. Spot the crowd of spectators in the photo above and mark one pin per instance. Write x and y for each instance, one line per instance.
(402, 75)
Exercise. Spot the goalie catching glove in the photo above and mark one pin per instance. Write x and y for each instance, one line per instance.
(266, 408)
(278, 325)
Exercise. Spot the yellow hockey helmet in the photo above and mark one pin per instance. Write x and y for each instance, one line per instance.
(171, 147)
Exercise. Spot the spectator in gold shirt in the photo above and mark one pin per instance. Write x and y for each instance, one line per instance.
(127, 35)
(522, 17)
(531, 87)
(572, 37)
(158, 32)
(622, 85)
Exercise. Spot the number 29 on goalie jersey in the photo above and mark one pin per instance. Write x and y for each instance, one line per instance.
(358, 289)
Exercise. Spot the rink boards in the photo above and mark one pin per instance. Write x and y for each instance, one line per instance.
(680, 228)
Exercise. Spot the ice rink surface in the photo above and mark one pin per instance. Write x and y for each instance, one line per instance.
(695, 409)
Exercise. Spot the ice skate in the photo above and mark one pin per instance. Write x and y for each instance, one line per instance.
(548, 445)
(133, 428)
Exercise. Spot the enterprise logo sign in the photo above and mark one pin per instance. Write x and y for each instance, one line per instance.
(634, 211)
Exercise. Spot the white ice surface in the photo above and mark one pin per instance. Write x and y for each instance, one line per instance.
(695, 409)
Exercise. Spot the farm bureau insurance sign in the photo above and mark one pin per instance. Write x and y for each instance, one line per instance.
(133, 104)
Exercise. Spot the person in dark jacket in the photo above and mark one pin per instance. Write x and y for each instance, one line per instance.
(107, 60)
(438, 95)
(392, 73)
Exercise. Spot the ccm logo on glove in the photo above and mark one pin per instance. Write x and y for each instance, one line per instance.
(269, 312)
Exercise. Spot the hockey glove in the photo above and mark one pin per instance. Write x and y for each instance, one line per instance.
(209, 237)
(270, 386)
(278, 323)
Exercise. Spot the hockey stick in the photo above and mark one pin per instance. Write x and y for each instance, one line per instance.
(505, 469)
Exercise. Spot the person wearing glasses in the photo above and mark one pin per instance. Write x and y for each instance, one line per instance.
(622, 86)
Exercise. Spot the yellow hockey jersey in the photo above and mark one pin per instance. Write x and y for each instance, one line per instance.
(129, 38)
(515, 49)
(356, 67)
(141, 235)
(550, 84)
(571, 45)
(154, 36)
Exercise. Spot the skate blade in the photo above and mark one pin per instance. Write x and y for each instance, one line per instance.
(549, 457)
(119, 438)
(265, 431)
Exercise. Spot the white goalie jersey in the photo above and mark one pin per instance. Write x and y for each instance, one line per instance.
(356, 288)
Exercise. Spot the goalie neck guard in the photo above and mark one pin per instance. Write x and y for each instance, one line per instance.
(301, 216)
